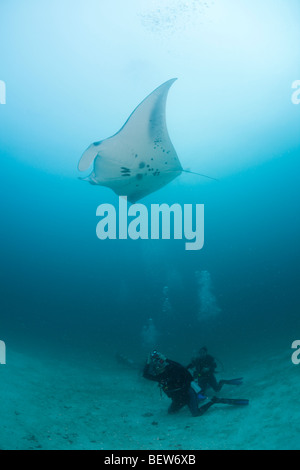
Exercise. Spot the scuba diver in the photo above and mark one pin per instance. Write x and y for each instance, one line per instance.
(177, 383)
(204, 367)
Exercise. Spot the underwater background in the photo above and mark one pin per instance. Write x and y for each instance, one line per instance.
(74, 71)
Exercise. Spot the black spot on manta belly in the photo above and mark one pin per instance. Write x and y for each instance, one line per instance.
(139, 176)
(142, 165)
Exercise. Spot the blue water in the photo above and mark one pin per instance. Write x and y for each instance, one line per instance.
(74, 72)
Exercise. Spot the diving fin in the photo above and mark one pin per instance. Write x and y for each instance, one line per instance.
(231, 401)
(234, 381)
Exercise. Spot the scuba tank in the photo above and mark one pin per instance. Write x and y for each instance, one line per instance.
(197, 390)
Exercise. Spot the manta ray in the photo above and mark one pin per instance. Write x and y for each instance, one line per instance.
(140, 158)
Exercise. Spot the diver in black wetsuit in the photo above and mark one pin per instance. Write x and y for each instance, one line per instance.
(175, 381)
(204, 374)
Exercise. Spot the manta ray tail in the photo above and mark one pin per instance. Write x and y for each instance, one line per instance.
(199, 174)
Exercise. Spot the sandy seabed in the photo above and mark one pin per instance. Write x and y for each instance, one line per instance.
(69, 404)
